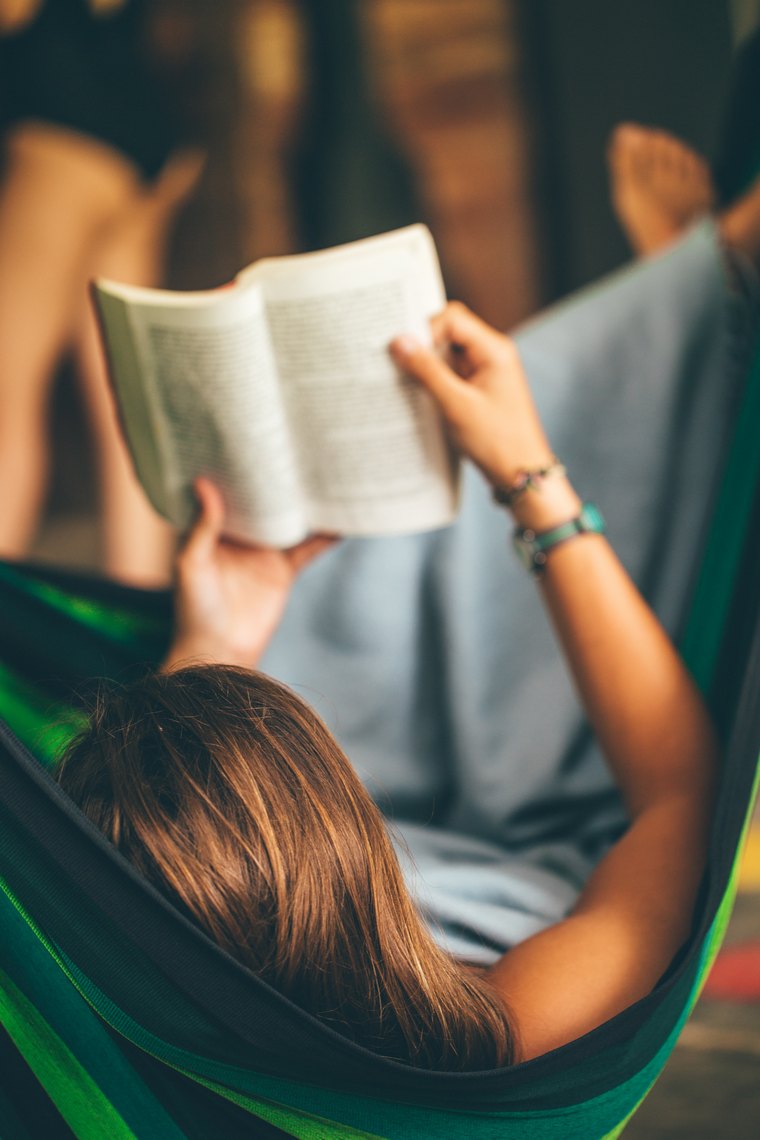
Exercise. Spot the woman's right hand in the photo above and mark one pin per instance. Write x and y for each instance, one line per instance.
(483, 394)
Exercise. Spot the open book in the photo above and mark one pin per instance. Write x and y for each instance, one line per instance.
(280, 389)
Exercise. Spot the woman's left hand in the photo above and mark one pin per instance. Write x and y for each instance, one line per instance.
(229, 598)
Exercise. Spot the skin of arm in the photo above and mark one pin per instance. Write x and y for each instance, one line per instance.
(635, 911)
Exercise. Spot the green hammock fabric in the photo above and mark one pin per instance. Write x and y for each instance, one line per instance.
(122, 1051)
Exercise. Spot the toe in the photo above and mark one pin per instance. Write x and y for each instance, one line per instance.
(625, 138)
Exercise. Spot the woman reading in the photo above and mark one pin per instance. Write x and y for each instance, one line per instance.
(229, 794)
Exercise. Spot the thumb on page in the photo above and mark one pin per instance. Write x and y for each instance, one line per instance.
(207, 528)
(413, 357)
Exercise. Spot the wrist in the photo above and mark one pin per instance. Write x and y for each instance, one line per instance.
(538, 495)
(533, 547)
(186, 650)
(547, 504)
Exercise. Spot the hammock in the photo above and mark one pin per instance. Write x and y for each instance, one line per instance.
(122, 1019)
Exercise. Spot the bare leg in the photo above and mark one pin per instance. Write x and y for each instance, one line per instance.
(60, 191)
(659, 185)
(16, 14)
(137, 543)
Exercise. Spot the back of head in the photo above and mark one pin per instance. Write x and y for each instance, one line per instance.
(227, 792)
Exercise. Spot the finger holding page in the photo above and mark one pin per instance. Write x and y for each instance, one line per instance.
(475, 341)
(206, 532)
(489, 411)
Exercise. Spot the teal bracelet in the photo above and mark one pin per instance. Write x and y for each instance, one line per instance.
(532, 548)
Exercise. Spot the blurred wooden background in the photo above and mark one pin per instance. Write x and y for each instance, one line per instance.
(442, 97)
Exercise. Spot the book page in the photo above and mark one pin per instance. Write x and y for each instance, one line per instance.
(208, 378)
(373, 454)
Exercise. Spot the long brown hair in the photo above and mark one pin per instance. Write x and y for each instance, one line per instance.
(228, 793)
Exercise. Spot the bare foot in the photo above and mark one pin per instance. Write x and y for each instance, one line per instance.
(659, 185)
(740, 224)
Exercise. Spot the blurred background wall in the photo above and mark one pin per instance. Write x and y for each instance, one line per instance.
(498, 110)
(488, 119)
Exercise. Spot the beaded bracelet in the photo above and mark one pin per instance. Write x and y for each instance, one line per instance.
(527, 480)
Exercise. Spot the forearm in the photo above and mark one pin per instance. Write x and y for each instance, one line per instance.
(643, 706)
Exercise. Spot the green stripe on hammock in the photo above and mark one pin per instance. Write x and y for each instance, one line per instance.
(45, 727)
(712, 946)
(728, 531)
(81, 1103)
(118, 622)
